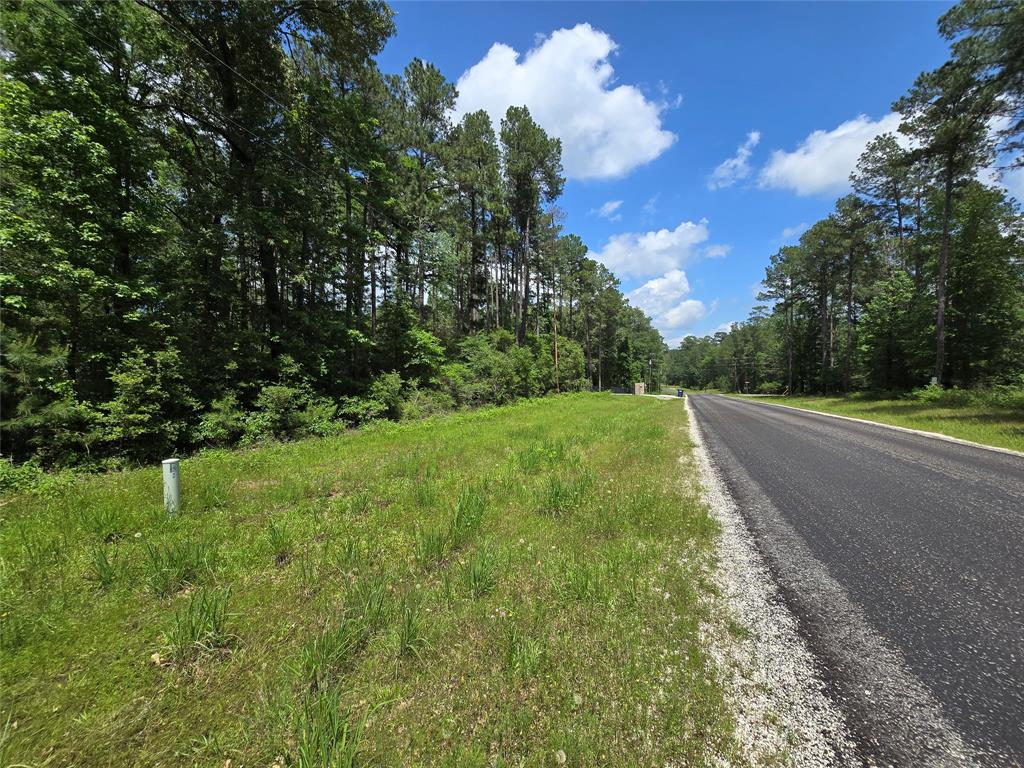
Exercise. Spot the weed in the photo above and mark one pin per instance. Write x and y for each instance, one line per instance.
(308, 569)
(524, 654)
(41, 550)
(469, 513)
(331, 651)
(104, 568)
(281, 543)
(581, 581)
(174, 565)
(359, 505)
(563, 495)
(431, 546)
(425, 494)
(327, 737)
(480, 573)
(350, 556)
(101, 522)
(409, 637)
(367, 601)
(200, 626)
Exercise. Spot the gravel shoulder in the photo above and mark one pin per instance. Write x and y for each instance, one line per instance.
(782, 708)
(897, 558)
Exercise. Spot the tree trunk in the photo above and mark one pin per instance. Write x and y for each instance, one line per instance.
(940, 288)
(525, 277)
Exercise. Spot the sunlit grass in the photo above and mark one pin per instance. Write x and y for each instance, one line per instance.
(481, 589)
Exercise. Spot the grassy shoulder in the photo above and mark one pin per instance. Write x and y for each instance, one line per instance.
(514, 586)
(988, 418)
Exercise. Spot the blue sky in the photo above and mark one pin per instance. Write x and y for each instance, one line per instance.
(696, 137)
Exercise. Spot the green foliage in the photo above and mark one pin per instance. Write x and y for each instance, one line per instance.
(145, 419)
(223, 424)
(431, 545)
(171, 284)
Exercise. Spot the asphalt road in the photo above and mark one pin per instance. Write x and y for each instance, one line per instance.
(902, 557)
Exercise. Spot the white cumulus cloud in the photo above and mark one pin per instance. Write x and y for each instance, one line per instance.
(567, 83)
(663, 299)
(641, 254)
(736, 167)
(822, 163)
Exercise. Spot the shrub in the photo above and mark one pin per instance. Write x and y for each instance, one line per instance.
(422, 403)
(320, 418)
(386, 391)
(278, 413)
(223, 424)
(147, 418)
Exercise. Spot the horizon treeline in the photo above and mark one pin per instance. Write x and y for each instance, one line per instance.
(917, 276)
(220, 222)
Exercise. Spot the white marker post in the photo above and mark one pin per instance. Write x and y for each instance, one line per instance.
(172, 488)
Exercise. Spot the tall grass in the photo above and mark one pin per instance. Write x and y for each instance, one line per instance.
(200, 626)
(329, 736)
(170, 566)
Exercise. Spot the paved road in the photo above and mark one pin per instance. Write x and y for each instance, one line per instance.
(903, 558)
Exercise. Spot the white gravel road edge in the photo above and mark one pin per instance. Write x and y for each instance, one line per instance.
(778, 700)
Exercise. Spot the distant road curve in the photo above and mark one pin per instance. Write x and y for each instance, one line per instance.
(902, 557)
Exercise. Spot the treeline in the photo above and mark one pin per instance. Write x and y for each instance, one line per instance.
(220, 221)
(918, 276)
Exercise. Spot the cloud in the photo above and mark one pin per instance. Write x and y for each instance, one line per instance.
(822, 163)
(567, 83)
(651, 206)
(606, 210)
(736, 167)
(717, 251)
(725, 327)
(790, 233)
(657, 296)
(663, 299)
(640, 254)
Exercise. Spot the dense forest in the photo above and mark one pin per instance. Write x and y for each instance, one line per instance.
(221, 222)
(917, 277)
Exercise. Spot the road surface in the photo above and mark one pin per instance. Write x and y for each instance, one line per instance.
(902, 557)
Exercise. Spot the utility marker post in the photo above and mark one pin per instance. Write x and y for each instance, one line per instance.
(172, 487)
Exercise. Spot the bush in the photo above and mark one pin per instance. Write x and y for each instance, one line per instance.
(223, 424)
(422, 403)
(769, 387)
(287, 412)
(386, 392)
(320, 418)
(147, 418)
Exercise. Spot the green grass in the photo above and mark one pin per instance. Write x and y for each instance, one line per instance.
(991, 421)
(481, 589)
